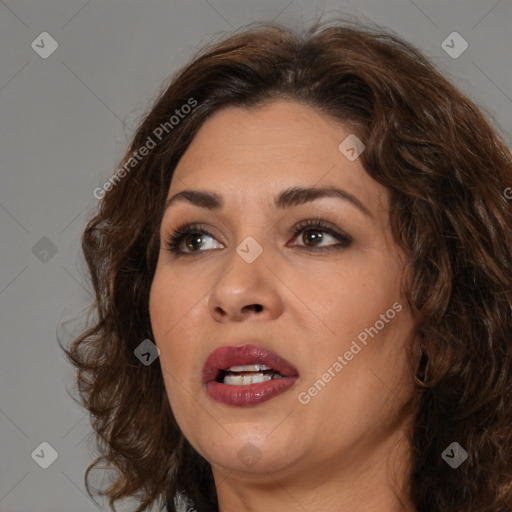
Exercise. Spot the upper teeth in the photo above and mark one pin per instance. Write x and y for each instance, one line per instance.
(245, 380)
(249, 368)
(249, 374)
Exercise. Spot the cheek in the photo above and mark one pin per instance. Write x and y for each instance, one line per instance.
(166, 308)
(161, 307)
(352, 298)
(165, 312)
(348, 321)
(175, 304)
(172, 299)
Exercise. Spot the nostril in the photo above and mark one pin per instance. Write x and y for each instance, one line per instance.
(254, 307)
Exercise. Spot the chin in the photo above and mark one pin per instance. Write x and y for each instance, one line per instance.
(246, 452)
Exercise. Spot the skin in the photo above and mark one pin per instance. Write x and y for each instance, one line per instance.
(347, 449)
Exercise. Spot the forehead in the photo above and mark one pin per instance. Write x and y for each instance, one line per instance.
(270, 147)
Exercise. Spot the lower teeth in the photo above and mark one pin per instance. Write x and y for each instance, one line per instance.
(245, 380)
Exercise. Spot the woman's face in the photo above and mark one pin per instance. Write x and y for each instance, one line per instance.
(319, 304)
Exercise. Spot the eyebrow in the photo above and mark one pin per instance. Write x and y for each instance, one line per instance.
(288, 198)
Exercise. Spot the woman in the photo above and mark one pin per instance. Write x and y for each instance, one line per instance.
(312, 230)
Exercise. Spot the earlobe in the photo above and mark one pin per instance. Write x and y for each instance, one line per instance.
(421, 373)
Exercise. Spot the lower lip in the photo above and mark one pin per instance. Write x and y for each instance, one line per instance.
(251, 394)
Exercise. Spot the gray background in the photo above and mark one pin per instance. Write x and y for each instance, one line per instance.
(66, 121)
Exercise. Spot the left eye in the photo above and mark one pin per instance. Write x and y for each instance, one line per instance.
(319, 237)
(313, 237)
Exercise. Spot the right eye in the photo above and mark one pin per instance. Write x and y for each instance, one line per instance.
(190, 239)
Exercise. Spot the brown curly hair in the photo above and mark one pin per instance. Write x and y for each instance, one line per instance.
(446, 169)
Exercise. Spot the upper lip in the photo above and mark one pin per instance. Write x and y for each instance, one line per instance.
(224, 357)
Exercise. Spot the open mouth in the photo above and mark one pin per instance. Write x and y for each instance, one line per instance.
(246, 375)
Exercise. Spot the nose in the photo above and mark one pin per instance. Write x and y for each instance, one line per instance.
(245, 291)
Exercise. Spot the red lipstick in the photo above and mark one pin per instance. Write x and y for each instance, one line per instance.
(278, 373)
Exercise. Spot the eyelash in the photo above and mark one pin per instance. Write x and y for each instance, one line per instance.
(175, 239)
